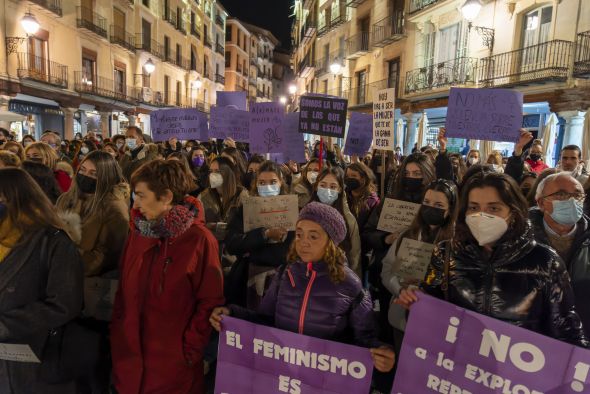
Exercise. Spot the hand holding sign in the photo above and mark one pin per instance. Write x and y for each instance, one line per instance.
(397, 215)
(525, 137)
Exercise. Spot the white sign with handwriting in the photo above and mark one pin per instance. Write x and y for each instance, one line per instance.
(412, 260)
(271, 212)
(397, 215)
(18, 352)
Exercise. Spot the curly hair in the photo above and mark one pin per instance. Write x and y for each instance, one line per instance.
(334, 257)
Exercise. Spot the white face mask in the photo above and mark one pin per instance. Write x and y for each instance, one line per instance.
(486, 228)
(312, 176)
(215, 180)
(473, 160)
(84, 150)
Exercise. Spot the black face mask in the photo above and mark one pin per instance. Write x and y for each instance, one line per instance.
(352, 183)
(432, 216)
(412, 184)
(535, 156)
(86, 184)
(248, 179)
(525, 191)
(36, 159)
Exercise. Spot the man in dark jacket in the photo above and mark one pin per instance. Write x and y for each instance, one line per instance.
(559, 222)
(137, 152)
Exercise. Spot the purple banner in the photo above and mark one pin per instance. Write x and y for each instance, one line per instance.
(484, 114)
(235, 100)
(184, 124)
(266, 134)
(293, 143)
(448, 349)
(256, 359)
(360, 134)
(228, 122)
(322, 115)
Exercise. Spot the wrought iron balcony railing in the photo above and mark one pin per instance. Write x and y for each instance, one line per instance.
(219, 20)
(419, 5)
(537, 63)
(322, 66)
(460, 71)
(389, 29)
(51, 5)
(122, 38)
(582, 61)
(42, 70)
(208, 43)
(90, 20)
(357, 45)
(363, 94)
(169, 15)
(103, 87)
(354, 3)
(219, 78)
(195, 32)
(151, 46)
(219, 49)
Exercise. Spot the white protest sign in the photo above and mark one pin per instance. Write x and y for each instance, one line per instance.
(271, 212)
(397, 215)
(17, 352)
(383, 119)
(413, 258)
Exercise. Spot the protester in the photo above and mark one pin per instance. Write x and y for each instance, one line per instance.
(112, 150)
(317, 274)
(253, 165)
(137, 153)
(54, 141)
(587, 200)
(259, 251)
(172, 145)
(119, 141)
(535, 160)
(86, 147)
(303, 187)
(532, 196)
(236, 157)
(15, 148)
(571, 161)
(473, 157)
(28, 140)
(171, 280)
(44, 178)
(329, 189)
(495, 160)
(42, 153)
(41, 273)
(8, 159)
(526, 184)
(199, 164)
(494, 240)
(361, 192)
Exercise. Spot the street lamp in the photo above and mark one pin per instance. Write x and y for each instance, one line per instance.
(292, 89)
(31, 26)
(336, 68)
(149, 66)
(198, 84)
(283, 100)
(470, 10)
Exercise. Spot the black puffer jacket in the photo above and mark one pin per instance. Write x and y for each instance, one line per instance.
(523, 283)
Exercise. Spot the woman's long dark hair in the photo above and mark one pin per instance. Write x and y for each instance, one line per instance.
(231, 184)
(367, 188)
(28, 207)
(44, 177)
(270, 166)
(396, 190)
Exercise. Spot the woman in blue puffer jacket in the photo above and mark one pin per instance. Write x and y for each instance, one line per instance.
(315, 293)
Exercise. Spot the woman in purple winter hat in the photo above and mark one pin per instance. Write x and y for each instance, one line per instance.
(315, 293)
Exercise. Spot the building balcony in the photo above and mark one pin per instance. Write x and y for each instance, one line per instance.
(219, 49)
(42, 70)
(253, 61)
(50, 5)
(177, 60)
(208, 43)
(259, 93)
(220, 79)
(322, 66)
(419, 5)
(358, 45)
(219, 21)
(151, 46)
(151, 97)
(91, 21)
(354, 3)
(456, 72)
(169, 15)
(103, 87)
(308, 30)
(582, 61)
(549, 61)
(305, 66)
(362, 95)
(388, 30)
(122, 38)
(195, 32)
(252, 80)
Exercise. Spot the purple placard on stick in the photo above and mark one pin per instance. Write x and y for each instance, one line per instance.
(228, 122)
(293, 143)
(255, 359)
(484, 114)
(360, 134)
(322, 115)
(184, 124)
(266, 134)
(235, 100)
(452, 350)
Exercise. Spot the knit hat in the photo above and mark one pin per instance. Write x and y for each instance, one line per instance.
(327, 217)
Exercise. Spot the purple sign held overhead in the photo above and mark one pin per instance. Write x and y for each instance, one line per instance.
(484, 114)
(322, 115)
(235, 100)
(447, 349)
(256, 359)
(266, 134)
(227, 122)
(184, 124)
(293, 143)
(360, 134)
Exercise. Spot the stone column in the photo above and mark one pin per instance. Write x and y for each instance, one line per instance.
(104, 124)
(574, 127)
(132, 120)
(4, 107)
(411, 125)
(69, 123)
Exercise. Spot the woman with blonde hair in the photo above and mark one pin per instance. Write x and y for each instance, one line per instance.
(46, 155)
(8, 159)
(495, 160)
(15, 148)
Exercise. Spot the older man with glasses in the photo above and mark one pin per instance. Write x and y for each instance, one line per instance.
(559, 222)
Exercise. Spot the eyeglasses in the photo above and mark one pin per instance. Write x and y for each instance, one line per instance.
(563, 196)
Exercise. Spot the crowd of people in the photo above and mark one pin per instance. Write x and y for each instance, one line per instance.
(162, 223)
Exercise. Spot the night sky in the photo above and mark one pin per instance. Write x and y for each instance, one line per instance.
(272, 15)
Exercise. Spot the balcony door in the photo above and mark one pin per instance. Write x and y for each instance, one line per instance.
(146, 35)
(119, 25)
(536, 28)
(87, 7)
(38, 59)
(361, 84)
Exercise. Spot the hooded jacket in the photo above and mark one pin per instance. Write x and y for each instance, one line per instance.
(167, 290)
(522, 283)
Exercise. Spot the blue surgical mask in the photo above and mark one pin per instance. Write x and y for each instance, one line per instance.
(131, 143)
(269, 190)
(327, 196)
(567, 212)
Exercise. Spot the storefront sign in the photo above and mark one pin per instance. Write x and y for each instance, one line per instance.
(322, 115)
(255, 359)
(184, 124)
(360, 134)
(447, 349)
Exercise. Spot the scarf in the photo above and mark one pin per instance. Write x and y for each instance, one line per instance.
(172, 225)
(9, 236)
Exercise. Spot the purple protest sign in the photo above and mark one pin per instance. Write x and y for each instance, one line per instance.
(293, 140)
(228, 122)
(184, 124)
(360, 134)
(255, 359)
(235, 100)
(484, 114)
(448, 349)
(266, 135)
(322, 115)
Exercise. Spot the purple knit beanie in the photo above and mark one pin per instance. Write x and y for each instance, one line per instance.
(327, 217)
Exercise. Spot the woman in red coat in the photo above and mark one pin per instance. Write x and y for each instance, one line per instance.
(171, 280)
